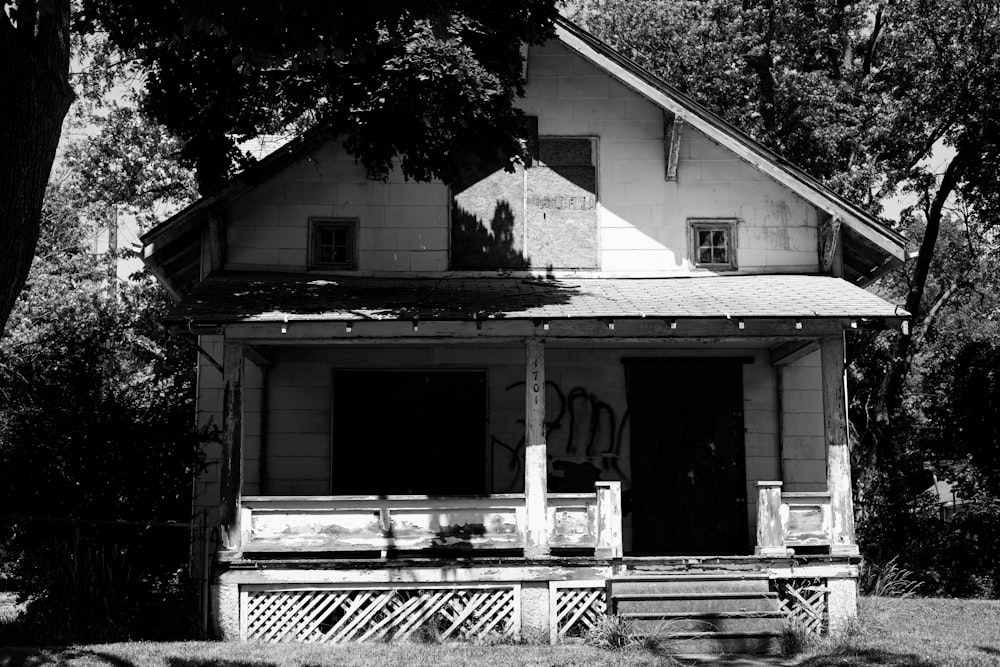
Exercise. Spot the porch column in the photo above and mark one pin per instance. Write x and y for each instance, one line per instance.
(838, 455)
(535, 458)
(231, 472)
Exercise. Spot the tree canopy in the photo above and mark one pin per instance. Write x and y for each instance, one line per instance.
(407, 83)
(875, 98)
(419, 81)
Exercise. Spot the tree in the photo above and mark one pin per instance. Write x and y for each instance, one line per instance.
(34, 78)
(95, 401)
(408, 82)
(863, 95)
(859, 94)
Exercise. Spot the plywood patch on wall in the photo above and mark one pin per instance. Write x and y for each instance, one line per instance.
(544, 216)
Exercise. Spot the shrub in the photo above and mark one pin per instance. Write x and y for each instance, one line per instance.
(96, 428)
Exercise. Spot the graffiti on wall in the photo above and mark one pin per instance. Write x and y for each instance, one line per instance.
(584, 438)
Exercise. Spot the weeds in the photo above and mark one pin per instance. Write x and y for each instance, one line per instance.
(797, 639)
(613, 633)
(889, 580)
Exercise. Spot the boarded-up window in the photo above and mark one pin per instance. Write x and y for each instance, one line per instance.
(544, 216)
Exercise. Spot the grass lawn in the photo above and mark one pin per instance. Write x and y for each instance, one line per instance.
(916, 632)
(894, 633)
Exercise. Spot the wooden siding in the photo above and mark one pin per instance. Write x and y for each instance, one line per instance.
(642, 217)
(803, 443)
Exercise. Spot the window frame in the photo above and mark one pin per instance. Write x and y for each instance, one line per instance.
(728, 225)
(318, 224)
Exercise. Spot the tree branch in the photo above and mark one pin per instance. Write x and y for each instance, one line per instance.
(899, 362)
(873, 40)
(943, 298)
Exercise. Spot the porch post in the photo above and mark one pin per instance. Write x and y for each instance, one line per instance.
(770, 540)
(838, 455)
(535, 458)
(231, 473)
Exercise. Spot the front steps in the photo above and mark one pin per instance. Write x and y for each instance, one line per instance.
(701, 613)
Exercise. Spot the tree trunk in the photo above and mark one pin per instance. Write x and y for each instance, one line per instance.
(899, 365)
(34, 97)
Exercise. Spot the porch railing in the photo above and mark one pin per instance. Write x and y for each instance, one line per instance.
(790, 520)
(414, 523)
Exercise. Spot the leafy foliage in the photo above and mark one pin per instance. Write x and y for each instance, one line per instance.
(415, 81)
(97, 404)
(412, 83)
(97, 445)
(878, 98)
(132, 163)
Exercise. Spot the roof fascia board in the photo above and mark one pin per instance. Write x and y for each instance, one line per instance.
(642, 84)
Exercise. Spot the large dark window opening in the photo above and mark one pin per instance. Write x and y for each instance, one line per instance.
(409, 432)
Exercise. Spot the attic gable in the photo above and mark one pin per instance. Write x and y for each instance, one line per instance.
(877, 246)
(854, 244)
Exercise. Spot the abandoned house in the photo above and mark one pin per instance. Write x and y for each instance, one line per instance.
(609, 382)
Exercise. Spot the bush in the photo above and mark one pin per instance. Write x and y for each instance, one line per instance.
(96, 407)
(946, 557)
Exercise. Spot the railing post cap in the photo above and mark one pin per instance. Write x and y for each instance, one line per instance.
(769, 485)
(607, 483)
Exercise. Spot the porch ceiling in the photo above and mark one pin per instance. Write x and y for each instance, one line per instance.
(234, 297)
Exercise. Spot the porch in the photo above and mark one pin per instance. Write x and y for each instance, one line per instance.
(706, 604)
(603, 452)
(331, 569)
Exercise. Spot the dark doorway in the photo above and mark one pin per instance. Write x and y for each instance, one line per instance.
(688, 480)
(409, 432)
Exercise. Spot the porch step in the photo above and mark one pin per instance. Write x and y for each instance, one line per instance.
(722, 642)
(701, 613)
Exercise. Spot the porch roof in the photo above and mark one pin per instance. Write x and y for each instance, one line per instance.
(233, 297)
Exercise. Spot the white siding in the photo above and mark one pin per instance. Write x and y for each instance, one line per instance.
(643, 228)
(804, 448)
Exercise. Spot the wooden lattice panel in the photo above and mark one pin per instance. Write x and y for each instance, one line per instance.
(339, 615)
(576, 608)
(804, 602)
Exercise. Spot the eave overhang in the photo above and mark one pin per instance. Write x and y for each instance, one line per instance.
(315, 306)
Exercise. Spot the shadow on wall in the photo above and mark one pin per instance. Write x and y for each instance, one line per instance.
(487, 216)
(476, 244)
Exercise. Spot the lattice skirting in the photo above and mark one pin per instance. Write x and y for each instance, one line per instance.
(804, 602)
(365, 614)
(576, 606)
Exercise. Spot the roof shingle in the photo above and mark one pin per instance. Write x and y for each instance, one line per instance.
(262, 297)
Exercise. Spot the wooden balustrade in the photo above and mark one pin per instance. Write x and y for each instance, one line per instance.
(787, 520)
(413, 523)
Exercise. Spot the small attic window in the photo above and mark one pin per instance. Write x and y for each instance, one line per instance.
(713, 244)
(333, 243)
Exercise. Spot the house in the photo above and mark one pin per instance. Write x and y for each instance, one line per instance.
(612, 381)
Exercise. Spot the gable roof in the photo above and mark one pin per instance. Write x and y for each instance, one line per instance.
(728, 135)
(171, 249)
